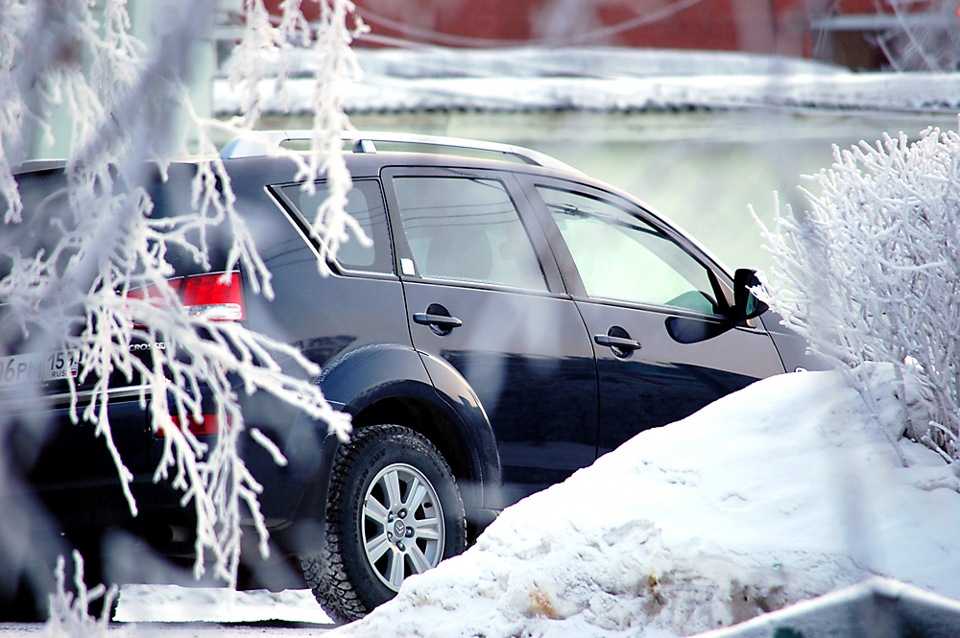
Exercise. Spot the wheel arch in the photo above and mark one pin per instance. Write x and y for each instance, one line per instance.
(399, 385)
(448, 412)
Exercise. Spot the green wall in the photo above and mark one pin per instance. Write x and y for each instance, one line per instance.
(700, 169)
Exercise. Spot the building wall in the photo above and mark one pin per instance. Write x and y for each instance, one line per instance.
(146, 18)
(760, 26)
(767, 26)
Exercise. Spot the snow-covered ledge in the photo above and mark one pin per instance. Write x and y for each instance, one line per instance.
(908, 92)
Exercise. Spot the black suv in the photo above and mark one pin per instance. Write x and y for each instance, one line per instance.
(511, 321)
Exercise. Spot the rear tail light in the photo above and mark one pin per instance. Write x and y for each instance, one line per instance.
(205, 295)
(208, 425)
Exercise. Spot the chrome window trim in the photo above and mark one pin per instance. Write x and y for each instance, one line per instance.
(480, 285)
(82, 396)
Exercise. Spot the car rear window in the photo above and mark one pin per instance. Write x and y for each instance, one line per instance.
(365, 204)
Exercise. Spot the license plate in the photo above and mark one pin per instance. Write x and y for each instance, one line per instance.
(26, 368)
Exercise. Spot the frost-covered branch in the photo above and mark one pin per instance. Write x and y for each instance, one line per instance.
(98, 282)
(261, 55)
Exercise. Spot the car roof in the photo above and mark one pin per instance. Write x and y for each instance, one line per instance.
(370, 165)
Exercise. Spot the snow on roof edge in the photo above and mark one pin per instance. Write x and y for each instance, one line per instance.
(914, 92)
(591, 61)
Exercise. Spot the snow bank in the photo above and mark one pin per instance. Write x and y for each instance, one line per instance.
(172, 603)
(775, 494)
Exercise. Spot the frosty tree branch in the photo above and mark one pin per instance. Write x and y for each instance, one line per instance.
(74, 294)
(261, 55)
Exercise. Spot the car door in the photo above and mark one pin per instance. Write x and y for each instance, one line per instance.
(655, 309)
(484, 294)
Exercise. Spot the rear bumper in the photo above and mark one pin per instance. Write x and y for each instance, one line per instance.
(74, 477)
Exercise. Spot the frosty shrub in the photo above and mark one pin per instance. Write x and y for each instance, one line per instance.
(870, 271)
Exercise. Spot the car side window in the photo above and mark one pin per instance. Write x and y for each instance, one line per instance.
(621, 257)
(365, 204)
(466, 229)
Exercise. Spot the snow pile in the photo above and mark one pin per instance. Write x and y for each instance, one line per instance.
(778, 493)
(172, 603)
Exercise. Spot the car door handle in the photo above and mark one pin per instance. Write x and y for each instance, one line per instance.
(618, 342)
(440, 321)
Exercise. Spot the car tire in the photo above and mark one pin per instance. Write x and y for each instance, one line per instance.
(367, 530)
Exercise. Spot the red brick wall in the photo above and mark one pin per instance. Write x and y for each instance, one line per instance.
(762, 26)
(752, 25)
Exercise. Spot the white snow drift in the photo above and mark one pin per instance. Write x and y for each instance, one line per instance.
(786, 490)
(172, 603)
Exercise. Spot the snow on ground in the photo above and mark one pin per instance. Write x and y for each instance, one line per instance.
(778, 493)
(172, 630)
(172, 611)
(172, 603)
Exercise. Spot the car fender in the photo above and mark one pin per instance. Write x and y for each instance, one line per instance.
(362, 377)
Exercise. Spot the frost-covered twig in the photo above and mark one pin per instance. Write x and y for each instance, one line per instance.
(70, 610)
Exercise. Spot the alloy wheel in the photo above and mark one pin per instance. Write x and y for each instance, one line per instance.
(402, 524)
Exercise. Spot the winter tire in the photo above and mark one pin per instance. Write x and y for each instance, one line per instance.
(393, 510)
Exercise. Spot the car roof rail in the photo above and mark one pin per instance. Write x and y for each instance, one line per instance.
(365, 142)
(31, 166)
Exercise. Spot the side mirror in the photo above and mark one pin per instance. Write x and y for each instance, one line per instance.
(745, 303)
